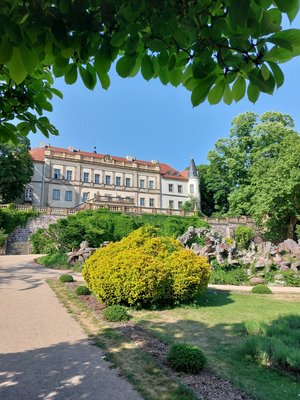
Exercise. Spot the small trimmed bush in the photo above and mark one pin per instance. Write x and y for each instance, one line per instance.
(183, 357)
(82, 291)
(115, 313)
(243, 235)
(66, 278)
(261, 289)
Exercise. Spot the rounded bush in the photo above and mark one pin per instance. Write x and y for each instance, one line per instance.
(243, 235)
(115, 313)
(187, 358)
(261, 289)
(66, 278)
(82, 291)
(143, 269)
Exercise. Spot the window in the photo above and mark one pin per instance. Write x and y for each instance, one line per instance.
(57, 174)
(127, 182)
(179, 188)
(118, 181)
(56, 194)
(107, 179)
(191, 188)
(69, 195)
(85, 196)
(151, 184)
(151, 202)
(69, 175)
(85, 177)
(142, 202)
(142, 183)
(170, 188)
(97, 178)
(171, 204)
(179, 205)
(28, 195)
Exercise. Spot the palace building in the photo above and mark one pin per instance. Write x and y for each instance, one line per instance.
(71, 177)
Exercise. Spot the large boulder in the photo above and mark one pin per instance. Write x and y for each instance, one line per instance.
(289, 246)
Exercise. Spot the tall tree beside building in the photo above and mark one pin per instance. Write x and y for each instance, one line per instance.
(256, 172)
(16, 170)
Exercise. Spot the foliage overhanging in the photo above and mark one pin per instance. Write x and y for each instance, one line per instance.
(217, 49)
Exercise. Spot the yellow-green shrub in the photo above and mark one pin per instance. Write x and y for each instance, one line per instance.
(145, 269)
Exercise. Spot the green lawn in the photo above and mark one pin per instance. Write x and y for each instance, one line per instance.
(217, 327)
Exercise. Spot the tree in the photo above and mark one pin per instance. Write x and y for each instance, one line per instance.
(207, 195)
(259, 167)
(275, 185)
(230, 161)
(16, 169)
(217, 49)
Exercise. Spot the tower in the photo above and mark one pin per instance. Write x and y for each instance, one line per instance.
(194, 184)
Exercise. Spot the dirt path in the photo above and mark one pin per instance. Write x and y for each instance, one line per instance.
(43, 352)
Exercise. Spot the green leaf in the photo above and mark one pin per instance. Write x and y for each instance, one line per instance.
(17, 70)
(57, 92)
(291, 36)
(290, 7)
(104, 80)
(147, 69)
(253, 93)
(6, 52)
(71, 74)
(118, 39)
(163, 58)
(164, 75)
(265, 72)
(102, 62)
(278, 74)
(64, 6)
(61, 62)
(175, 76)
(125, 65)
(278, 54)
(88, 77)
(156, 45)
(238, 11)
(227, 97)
(200, 92)
(264, 85)
(239, 89)
(216, 93)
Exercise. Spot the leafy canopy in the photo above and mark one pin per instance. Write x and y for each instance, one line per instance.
(217, 49)
(256, 172)
(16, 170)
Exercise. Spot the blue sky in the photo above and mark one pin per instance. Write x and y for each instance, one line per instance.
(152, 121)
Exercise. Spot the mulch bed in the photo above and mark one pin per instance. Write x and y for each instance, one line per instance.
(206, 385)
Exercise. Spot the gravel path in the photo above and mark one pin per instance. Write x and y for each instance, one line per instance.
(44, 354)
(275, 289)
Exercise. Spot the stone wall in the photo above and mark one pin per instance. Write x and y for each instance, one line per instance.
(18, 240)
(227, 226)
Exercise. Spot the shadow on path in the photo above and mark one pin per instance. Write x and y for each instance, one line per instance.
(63, 371)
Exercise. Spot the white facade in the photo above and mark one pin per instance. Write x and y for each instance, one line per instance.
(68, 178)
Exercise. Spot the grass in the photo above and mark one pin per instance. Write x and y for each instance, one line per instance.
(148, 378)
(58, 260)
(217, 327)
(275, 344)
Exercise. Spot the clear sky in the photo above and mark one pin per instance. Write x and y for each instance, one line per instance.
(152, 121)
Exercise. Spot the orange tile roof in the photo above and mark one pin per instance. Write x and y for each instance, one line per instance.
(38, 154)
